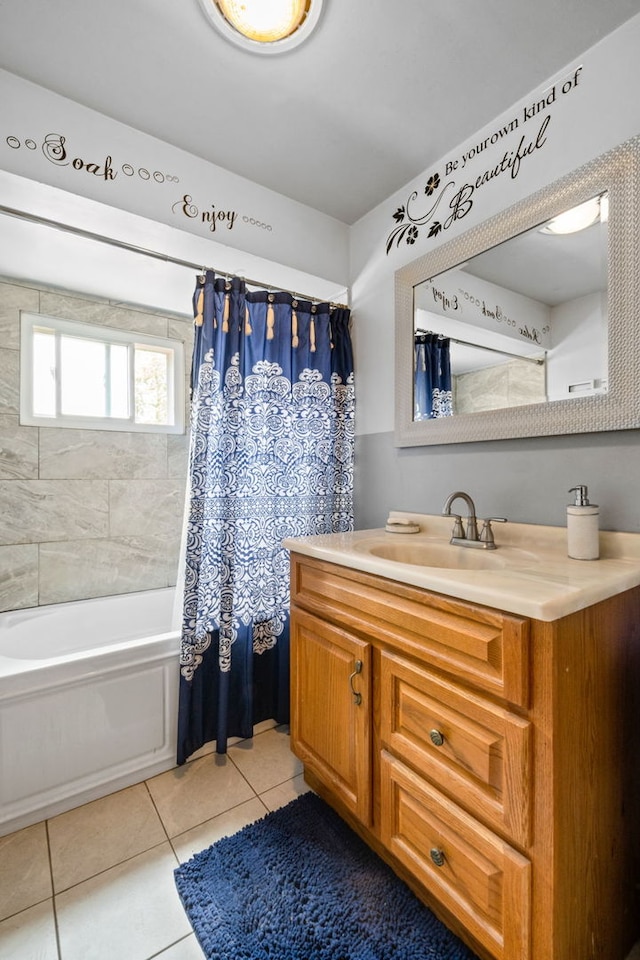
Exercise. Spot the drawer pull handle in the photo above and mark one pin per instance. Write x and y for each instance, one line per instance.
(437, 856)
(437, 738)
(357, 697)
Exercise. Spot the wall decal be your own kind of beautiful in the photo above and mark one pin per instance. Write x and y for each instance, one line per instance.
(409, 219)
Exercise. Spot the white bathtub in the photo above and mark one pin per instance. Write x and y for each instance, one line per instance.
(88, 701)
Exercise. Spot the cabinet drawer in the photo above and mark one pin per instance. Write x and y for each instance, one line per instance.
(475, 875)
(482, 646)
(474, 750)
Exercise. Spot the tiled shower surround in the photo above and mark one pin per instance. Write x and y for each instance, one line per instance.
(84, 513)
(502, 385)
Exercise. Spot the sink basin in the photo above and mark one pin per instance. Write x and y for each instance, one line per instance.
(439, 553)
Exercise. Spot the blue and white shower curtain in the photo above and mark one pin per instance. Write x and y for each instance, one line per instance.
(433, 397)
(271, 456)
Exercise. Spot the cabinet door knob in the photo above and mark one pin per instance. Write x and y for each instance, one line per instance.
(357, 697)
(437, 738)
(437, 856)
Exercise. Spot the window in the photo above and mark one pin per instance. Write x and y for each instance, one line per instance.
(83, 375)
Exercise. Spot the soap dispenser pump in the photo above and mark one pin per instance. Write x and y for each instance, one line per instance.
(583, 542)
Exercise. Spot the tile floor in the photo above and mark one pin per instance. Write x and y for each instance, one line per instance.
(96, 883)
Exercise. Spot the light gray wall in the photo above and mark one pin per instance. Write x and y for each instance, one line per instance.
(84, 513)
(524, 480)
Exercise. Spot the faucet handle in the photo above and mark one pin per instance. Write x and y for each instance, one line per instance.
(457, 531)
(486, 536)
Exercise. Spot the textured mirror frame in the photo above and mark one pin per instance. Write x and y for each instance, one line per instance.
(617, 172)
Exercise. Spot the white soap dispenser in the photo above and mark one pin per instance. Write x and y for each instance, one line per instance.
(583, 541)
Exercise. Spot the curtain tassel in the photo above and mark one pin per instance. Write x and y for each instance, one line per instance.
(294, 329)
(225, 314)
(270, 321)
(199, 318)
(247, 322)
(312, 335)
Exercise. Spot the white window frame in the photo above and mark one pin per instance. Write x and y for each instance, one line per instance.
(107, 335)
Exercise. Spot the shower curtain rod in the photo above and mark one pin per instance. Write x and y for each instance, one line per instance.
(465, 343)
(146, 252)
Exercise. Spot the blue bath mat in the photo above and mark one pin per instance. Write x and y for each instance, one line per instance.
(300, 885)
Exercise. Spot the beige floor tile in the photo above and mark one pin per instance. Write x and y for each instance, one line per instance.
(30, 935)
(267, 725)
(187, 949)
(266, 760)
(25, 878)
(201, 837)
(130, 912)
(197, 791)
(204, 751)
(211, 746)
(101, 834)
(285, 792)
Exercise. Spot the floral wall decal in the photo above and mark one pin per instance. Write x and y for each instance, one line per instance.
(409, 219)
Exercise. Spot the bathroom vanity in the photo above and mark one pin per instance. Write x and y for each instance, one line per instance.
(476, 720)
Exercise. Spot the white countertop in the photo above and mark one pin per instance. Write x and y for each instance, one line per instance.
(530, 575)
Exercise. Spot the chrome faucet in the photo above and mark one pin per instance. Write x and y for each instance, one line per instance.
(470, 538)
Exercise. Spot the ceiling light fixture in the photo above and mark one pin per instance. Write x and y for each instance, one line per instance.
(580, 217)
(264, 26)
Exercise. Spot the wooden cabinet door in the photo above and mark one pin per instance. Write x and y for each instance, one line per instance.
(331, 711)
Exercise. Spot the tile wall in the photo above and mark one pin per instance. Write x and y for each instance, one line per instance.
(505, 385)
(84, 513)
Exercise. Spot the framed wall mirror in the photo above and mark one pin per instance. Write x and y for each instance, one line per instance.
(528, 324)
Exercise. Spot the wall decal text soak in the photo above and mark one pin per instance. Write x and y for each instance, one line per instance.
(412, 216)
(54, 148)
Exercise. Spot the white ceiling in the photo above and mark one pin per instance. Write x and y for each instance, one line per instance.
(380, 92)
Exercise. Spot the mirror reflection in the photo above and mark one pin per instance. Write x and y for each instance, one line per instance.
(524, 322)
